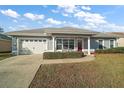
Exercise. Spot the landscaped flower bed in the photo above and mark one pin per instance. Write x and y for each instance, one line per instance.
(61, 55)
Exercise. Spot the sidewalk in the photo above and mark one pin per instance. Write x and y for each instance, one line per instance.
(68, 60)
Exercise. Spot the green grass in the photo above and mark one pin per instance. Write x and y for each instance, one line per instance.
(106, 71)
(5, 55)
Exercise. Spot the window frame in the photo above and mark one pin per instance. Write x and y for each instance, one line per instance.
(59, 44)
(110, 43)
(102, 44)
(68, 43)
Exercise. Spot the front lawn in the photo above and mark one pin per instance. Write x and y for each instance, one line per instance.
(4, 55)
(106, 71)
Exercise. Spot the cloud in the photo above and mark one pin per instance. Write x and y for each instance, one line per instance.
(97, 22)
(94, 18)
(112, 27)
(68, 8)
(11, 28)
(65, 14)
(52, 21)
(70, 24)
(45, 6)
(15, 21)
(55, 11)
(10, 13)
(18, 27)
(34, 16)
(86, 8)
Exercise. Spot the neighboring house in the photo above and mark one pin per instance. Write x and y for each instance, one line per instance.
(5, 43)
(120, 40)
(37, 41)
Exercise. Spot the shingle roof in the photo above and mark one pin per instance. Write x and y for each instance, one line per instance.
(49, 31)
(118, 34)
(63, 30)
(105, 35)
(68, 30)
(4, 37)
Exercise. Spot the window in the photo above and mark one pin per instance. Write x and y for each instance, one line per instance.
(111, 43)
(26, 40)
(44, 40)
(59, 47)
(100, 44)
(40, 40)
(64, 44)
(71, 44)
(59, 41)
(59, 44)
(35, 40)
(31, 40)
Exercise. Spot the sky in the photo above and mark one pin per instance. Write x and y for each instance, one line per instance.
(103, 18)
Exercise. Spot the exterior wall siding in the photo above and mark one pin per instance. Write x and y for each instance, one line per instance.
(93, 42)
(106, 43)
(14, 45)
(95, 45)
(50, 44)
(85, 43)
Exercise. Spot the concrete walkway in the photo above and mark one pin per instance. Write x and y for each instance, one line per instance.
(69, 60)
(18, 71)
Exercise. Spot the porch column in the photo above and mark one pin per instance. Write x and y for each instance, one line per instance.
(17, 46)
(53, 43)
(88, 45)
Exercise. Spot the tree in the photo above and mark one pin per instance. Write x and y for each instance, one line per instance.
(1, 29)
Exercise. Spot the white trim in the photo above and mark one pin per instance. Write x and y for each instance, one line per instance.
(82, 44)
(70, 36)
(88, 45)
(113, 43)
(53, 38)
(46, 44)
(103, 43)
(17, 45)
(75, 41)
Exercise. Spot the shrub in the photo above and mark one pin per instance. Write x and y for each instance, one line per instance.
(5, 52)
(111, 50)
(73, 54)
(61, 55)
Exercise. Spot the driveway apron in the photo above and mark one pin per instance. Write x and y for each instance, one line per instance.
(18, 71)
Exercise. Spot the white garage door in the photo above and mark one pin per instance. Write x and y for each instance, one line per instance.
(33, 46)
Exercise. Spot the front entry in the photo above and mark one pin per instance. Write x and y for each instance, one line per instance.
(79, 45)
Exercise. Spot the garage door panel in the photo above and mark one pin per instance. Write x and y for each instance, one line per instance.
(33, 46)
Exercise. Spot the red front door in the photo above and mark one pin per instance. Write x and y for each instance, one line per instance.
(79, 45)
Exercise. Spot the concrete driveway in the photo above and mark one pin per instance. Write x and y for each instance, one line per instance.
(18, 71)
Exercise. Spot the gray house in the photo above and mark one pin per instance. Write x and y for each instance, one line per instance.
(64, 39)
